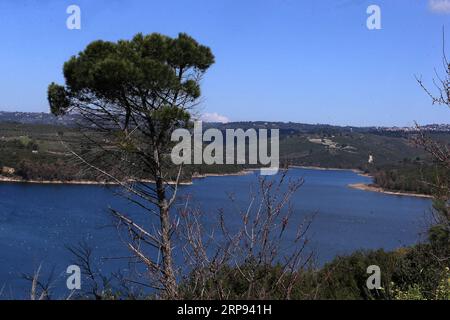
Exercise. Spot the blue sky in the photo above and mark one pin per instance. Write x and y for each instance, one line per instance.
(276, 60)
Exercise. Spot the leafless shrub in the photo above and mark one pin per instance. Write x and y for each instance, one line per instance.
(40, 289)
(253, 247)
(440, 153)
(96, 284)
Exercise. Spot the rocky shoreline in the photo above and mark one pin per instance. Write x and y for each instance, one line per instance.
(89, 182)
(75, 182)
(366, 187)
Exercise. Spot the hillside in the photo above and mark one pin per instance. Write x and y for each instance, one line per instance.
(34, 150)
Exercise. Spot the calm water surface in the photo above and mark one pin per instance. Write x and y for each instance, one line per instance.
(37, 222)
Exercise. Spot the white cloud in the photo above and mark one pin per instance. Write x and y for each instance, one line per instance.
(439, 6)
(214, 117)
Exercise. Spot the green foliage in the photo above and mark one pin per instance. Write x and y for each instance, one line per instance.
(419, 266)
(57, 99)
(235, 285)
(416, 292)
(345, 277)
(409, 176)
(118, 72)
(413, 293)
(439, 233)
(408, 273)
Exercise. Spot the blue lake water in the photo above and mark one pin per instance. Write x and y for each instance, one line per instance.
(37, 222)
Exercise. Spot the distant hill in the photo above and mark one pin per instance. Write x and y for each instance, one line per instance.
(38, 118)
(30, 143)
(285, 127)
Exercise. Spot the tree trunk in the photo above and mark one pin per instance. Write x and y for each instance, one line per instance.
(169, 280)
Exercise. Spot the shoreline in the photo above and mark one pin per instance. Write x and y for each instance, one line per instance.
(239, 173)
(4, 179)
(366, 187)
(247, 171)
(357, 186)
(330, 169)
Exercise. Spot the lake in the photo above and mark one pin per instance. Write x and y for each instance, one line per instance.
(37, 222)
